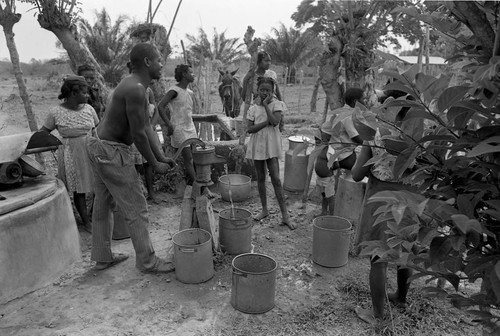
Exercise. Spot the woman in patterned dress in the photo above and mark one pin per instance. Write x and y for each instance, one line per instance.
(264, 146)
(73, 119)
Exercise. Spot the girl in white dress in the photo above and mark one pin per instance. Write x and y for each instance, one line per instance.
(264, 145)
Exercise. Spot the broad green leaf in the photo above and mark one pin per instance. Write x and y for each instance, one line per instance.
(494, 203)
(398, 211)
(393, 74)
(434, 292)
(490, 145)
(411, 73)
(437, 137)
(400, 87)
(493, 213)
(418, 113)
(459, 115)
(439, 86)
(423, 82)
(495, 283)
(365, 124)
(464, 223)
(497, 269)
(451, 96)
(452, 279)
(404, 160)
(439, 248)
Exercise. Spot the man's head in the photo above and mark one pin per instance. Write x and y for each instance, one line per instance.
(353, 95)
(184, 71)
(88, 72)
(146, 56)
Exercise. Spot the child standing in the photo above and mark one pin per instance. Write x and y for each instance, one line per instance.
(179, 99)
(264, 145)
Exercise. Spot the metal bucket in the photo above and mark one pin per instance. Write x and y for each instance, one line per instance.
(235, 232)
(193, 256)
(253, 283)
(331, 240)
(241, 187)
(295, 167)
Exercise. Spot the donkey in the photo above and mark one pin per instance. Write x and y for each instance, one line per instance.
(230, 93)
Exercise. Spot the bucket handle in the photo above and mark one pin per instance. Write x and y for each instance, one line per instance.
(188, 250)
(240, 274)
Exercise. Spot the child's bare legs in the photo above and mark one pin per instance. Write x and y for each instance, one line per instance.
(327, 205)
(274, 173)
(378, 278)
(260, 169)
(81, 207)
(399, 297)
(189, 165)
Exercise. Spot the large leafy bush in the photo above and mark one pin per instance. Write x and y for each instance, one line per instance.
(448, 145)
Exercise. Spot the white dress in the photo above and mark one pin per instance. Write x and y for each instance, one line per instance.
(266, 143)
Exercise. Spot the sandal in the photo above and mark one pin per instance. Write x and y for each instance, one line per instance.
(117, 258)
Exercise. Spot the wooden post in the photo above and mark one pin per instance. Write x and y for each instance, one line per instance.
(252, 46)
(187, 209)
(206, 218)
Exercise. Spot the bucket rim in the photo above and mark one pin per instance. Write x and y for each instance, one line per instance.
(332, 216)
(191, 245)
(229, 210)
(249, 180)
(254, 254)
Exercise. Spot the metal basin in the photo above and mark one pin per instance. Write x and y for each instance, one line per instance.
(240, 186)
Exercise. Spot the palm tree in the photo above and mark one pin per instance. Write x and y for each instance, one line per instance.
(226, 50)
(8, 18)
(109, 43)
(291, 47)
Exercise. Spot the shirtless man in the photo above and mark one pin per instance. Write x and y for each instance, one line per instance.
(126, 121)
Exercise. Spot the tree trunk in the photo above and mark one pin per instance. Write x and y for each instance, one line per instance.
(420, 52)
(475, 19)
(358, 75)
(314, 96)
(329, 74)
(77, 52)
(252, 47)
(7, 20)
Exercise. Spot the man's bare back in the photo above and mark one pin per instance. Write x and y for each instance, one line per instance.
(116, 126)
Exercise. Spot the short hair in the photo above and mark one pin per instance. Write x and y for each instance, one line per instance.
(180, 70)
(141, 51)
(72, 84)
(268, 80)
(85, 67)
(352, 95)
(261, 55)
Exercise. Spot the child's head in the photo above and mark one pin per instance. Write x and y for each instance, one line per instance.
(353, 95)
(181, 70)
(265, 86)
(263, 60)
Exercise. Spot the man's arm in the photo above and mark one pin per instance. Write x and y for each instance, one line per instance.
(162, 107)
(135, 104)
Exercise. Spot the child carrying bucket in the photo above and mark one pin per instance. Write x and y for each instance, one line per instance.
(264, 145)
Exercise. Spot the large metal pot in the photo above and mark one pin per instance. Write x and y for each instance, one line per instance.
(240, 186)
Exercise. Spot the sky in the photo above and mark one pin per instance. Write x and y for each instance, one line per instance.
(231, 16)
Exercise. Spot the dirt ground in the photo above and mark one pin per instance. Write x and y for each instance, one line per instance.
(310, 299)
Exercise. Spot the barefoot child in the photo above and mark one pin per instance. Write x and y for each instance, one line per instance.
(264, 145)
(179, 99)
